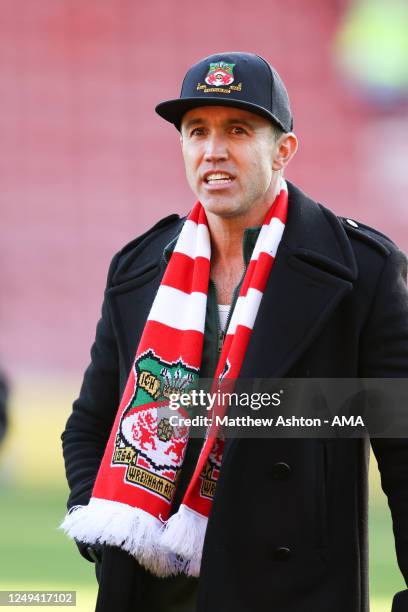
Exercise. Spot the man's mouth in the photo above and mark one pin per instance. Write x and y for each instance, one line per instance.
(218, 178)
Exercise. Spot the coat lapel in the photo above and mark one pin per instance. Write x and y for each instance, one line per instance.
(314, 269)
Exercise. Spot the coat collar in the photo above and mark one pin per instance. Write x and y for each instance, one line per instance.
(314, 269)
(312, 233)
(316, 235)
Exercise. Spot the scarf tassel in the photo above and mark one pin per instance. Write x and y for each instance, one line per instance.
(184, 535)
(132, 529)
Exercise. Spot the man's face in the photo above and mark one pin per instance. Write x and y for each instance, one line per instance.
(228, 156)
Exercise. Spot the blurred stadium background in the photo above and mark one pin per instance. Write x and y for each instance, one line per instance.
(85, 165)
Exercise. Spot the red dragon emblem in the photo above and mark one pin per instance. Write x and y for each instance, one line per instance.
(145, 431)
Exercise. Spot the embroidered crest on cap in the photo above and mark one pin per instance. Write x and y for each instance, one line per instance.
(219, 74)
(220, 77)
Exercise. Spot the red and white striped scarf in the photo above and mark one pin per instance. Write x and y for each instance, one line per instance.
(130, 505)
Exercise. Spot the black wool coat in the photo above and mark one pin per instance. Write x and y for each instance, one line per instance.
(290, 535)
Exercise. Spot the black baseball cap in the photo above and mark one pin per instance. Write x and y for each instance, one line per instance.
(242, 80)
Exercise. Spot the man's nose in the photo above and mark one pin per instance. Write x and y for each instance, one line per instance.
(216, 148)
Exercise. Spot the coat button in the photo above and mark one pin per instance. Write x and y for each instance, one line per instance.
(282, 554)
(280, 471)
(352, 223)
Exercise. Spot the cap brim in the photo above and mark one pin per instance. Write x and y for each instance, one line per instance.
(174, 110)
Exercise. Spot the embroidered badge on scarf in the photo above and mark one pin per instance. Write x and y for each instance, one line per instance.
(146, 443)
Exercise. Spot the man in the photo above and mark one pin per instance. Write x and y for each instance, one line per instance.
(252, 525)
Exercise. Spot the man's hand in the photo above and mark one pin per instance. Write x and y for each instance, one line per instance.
(91, 552)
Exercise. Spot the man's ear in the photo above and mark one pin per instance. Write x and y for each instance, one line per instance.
(285, 149)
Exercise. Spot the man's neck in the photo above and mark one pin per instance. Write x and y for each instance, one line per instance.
(227, 232)
(227, 258)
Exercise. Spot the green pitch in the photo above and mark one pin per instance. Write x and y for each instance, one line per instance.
(35, 554)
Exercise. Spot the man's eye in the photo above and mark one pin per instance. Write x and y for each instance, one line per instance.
(197, 132)
(237, 129)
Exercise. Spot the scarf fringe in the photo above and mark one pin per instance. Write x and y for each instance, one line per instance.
(131, 529)
(183, 534)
